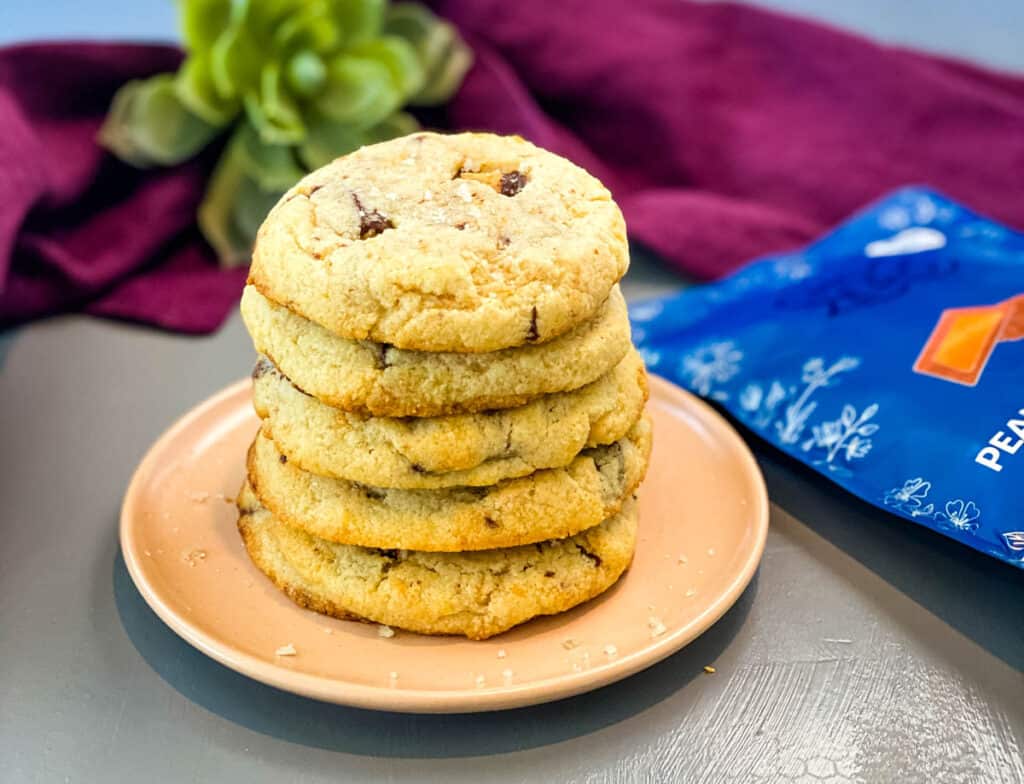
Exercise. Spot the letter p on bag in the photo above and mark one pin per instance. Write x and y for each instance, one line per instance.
(988, 456)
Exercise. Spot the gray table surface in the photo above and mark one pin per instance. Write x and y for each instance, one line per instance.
(865, 649)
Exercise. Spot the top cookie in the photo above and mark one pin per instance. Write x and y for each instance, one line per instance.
(469, 243)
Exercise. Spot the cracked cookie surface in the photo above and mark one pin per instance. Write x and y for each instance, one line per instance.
(385, 381)
(450, 451)
(466, 242)
(547, 504)
(476, 594)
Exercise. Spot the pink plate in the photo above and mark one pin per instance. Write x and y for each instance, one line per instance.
(703, 522)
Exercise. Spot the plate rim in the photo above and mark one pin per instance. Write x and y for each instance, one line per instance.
(399, 700)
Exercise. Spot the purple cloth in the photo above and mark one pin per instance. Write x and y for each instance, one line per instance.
(78, 229)
(725, 132)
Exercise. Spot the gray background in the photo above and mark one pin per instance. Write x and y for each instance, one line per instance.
(864, 650)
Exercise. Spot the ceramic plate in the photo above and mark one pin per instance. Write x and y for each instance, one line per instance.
(703, 522)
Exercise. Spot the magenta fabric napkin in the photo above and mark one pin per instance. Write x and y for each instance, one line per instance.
(80, 230)
(725, 132)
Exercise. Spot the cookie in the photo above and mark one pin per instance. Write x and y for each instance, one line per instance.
(469, 243)
(385, 381)
(450, 451)
(548, 504)
(476, 594)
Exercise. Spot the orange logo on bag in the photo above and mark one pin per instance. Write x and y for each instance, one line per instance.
(964, 338)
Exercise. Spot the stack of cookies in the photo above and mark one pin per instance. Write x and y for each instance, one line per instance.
(452, 409)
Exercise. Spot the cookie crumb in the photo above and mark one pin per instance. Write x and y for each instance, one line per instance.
(684, 560)
(195, 556)
(656, 626)
(199, 497)
(385, 631)
(481, 681)
(286, 650)
(464, 192)
(709, 669)
(611, 651)
(501, 653)
(147, 552)
(690, 592)
(507, 676)
(427, 195)
(711, 551)
(328, 631)
(392, 679)
(569, 643)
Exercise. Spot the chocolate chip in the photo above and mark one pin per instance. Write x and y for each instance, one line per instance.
(263, 367)
(532, 334)
(418, 468)
(373, 493)
(503, 242)
(549, 573)
(282, 459)
(512, 183)
(371, 222)
(460, 226)
(392, 556)
(491, 523)
(381, 360)
(592, 557)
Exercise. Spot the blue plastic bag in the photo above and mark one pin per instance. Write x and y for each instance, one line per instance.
(887, 356)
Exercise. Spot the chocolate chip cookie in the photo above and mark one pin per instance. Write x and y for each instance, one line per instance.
(547, 504)
(477, 594)
(382, 380)
(449, 451)
(468, 242)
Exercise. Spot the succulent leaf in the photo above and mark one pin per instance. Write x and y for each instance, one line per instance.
(196, 90)
(202, 21)
(360, 92)
(399, 57)
(232, 199)
(274, 167)
(300, 82)
(148, 125)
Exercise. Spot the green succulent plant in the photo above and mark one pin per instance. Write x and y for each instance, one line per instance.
(295, 83)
